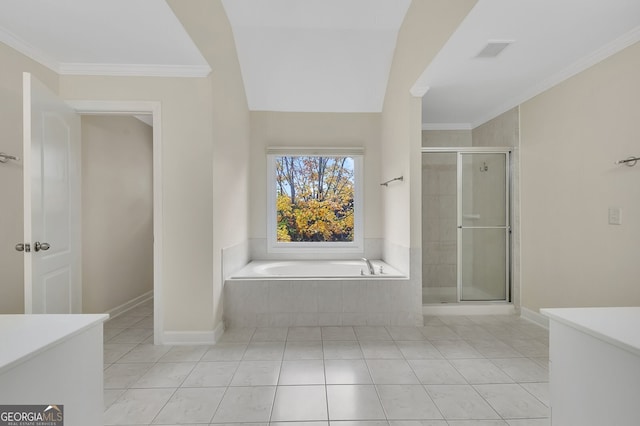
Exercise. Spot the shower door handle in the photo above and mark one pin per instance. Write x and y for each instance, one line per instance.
(485, 227)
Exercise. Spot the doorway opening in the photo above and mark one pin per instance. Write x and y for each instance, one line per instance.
(117, 220)
(153, 111)
(466, 225)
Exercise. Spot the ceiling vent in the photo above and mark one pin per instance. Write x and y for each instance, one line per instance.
(493, 48)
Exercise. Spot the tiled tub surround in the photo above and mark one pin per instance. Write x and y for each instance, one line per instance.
(323, 302)
(258, 248)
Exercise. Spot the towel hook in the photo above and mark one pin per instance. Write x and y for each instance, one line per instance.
(630, 162)
(400, 178)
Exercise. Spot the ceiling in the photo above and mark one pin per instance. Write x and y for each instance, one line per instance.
(333, 55)
(315, 55)
(552, 40)
(114, 37)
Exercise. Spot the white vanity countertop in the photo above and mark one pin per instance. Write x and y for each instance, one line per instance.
(24, 336)
(617, 326)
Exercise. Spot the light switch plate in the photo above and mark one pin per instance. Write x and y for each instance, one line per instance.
(615, 216)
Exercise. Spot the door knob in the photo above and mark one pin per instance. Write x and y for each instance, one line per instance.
(40, 246)
(23, 247)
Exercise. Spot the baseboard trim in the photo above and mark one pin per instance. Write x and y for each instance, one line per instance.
(535, 317)
(469, 309)
(127, 306)
(193, 337)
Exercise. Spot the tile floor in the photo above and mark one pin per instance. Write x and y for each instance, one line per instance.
(454, 371)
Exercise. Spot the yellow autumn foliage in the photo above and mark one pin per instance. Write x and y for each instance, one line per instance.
(322, 207)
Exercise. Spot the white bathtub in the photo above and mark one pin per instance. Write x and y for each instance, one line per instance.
(314, 269)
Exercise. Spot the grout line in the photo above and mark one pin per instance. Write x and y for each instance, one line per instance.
(513, 333)
(324, 371)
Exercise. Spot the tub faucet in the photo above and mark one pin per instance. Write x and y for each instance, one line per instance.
(369, 265)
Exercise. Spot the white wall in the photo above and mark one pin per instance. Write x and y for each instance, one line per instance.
(570, 137)
(426, 28)
(205, 127)
(187, 179)
(117, 211)
(311, 130)
(424, 31)
(207, 24)
(13, 64)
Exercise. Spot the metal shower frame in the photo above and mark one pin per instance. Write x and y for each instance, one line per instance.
(459, 151)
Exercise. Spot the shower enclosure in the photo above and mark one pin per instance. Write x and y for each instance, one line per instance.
(466, 228)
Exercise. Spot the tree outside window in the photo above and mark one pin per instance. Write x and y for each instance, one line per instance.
(315, 198)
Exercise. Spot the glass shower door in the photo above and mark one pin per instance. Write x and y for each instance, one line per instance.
(483, 226)
(439, 232)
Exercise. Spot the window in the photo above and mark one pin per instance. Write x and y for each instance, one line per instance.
(315, 200)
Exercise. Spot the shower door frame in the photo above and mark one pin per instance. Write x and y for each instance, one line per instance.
(459, 151)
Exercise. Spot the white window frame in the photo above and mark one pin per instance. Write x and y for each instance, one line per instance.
(355, 246)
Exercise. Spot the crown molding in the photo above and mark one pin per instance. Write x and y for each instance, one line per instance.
(446, 126)
(577, 67)
(135, 70)
(15, 42)
(129, 70)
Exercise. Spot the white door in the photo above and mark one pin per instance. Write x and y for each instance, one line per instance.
(52, 281)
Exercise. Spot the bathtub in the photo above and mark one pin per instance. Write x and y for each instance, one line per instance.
(291, 293)
(314, 269)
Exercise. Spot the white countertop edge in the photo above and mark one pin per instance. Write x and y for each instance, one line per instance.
(556, 315)
(98, 319)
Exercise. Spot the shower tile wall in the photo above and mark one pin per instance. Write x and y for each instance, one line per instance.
(439, 236)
